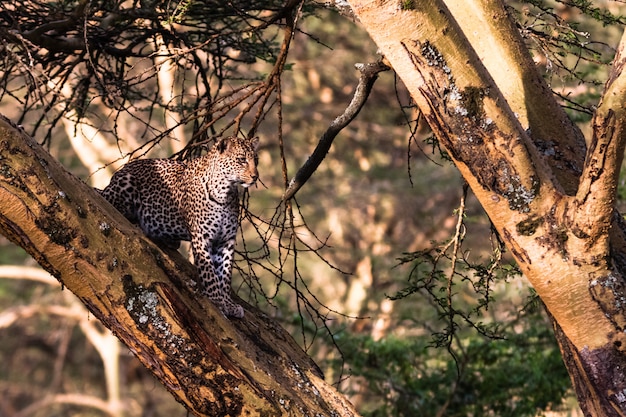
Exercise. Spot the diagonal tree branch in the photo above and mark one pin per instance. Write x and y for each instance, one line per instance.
(595, 199)
(369, 74)
(212, 365)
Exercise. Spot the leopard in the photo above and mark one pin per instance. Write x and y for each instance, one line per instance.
(194, 200)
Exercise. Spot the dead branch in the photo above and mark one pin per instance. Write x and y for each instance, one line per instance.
(369, 74)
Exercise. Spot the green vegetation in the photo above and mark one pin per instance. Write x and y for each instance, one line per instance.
(519, 375)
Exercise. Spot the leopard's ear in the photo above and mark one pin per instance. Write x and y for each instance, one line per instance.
(254, 142)
(223, 144)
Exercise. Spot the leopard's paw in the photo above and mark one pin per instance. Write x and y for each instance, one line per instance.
(232, 310)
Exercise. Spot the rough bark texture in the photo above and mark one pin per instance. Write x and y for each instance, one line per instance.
(555, 214)
(214, 366)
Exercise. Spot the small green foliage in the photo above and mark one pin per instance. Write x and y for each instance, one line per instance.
(573, 45)
(437, 274)
(433, 142)
(602, 15)
(473, 364)
(180, 12)
(407, 5)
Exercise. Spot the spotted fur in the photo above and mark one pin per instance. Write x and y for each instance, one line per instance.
(194, 200)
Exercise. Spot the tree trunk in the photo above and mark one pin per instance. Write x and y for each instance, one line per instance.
(212, 365)
(552, 204)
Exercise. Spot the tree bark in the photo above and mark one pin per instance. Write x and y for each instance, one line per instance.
(212, 365)
(523, 158)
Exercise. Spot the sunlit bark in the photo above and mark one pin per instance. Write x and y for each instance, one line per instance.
(484, 111)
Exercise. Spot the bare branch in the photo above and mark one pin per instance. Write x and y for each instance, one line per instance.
(369, 74)
(83, 400)
(27, 272)
(11, 315)
(89, 49)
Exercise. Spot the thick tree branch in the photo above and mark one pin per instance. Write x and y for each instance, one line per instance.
(369, 74)
(212, 365)
(67, 44)
(474, 123)
(506, 57)
(596, 195)
(510, 177)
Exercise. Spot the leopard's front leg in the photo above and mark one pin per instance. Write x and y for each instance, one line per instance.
(214, 263)
(222, 256)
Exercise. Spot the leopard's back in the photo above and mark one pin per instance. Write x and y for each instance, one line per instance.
(148, 192)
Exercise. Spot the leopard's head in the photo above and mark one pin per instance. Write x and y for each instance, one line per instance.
(239, 159)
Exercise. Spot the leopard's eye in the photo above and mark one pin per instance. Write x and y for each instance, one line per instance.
(241, 160)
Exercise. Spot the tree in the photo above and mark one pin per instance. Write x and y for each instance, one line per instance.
(210, 364)
(552, 203)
